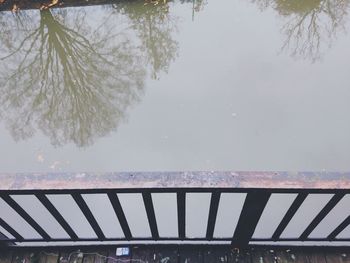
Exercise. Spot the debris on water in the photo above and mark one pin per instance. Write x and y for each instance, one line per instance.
(55, 165)
(80, 175)
(154, 2)
(15, 8)
(40, 158)
(47, 6)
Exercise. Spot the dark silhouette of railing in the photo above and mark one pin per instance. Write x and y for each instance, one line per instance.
(238, 216)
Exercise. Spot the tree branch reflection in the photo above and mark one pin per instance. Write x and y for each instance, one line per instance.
(155, 26)
(311, 24)
(63, 77)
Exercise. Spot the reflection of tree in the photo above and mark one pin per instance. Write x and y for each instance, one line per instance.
(73, 84)
(310, 23)
(154, 25)
(197, 6)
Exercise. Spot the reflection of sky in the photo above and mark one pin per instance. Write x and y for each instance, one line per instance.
(230, 101)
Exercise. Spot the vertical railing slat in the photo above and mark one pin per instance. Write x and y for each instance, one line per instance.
(213, 210)
(181, 214)
(147, 199)
(89, 216)
(113, 198)
(12, 203)
(290, 213)
(323, 213)
(59, 218)
(9, 229)
(339, 229)
(253, 207)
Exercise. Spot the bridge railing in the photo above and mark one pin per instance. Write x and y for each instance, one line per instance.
(174, 208)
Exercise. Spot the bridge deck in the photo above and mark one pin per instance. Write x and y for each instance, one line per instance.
(183, 254)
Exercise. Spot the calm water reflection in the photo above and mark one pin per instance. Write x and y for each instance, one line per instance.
(310, 26)
(191, 86)
(75, 79)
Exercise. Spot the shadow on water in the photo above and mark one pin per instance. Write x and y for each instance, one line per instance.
(311, 25)
(74, 79)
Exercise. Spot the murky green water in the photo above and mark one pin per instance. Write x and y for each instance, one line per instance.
(203, 85)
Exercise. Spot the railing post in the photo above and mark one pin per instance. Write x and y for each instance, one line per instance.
(120, 214)
(88, 215)
(213, 210)
(253, 207)
(147, 199)
(181, 214)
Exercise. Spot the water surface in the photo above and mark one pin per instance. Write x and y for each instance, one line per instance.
(202, 85)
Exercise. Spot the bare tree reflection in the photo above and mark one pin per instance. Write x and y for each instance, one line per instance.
(73, 84)
(155, 27)
(311, 24)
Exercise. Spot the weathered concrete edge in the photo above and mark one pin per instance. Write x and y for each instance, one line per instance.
(122, 180)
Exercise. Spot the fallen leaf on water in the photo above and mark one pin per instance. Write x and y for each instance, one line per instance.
(15, 8)
(47, 6)
(40, 158)
(55, 165)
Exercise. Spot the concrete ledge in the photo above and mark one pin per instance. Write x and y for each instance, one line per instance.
(273, 180)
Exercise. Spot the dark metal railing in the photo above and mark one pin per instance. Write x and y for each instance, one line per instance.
(249, 215)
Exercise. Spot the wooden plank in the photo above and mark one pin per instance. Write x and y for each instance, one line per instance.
(236, 255)
(317, 256)
(190, 255)
(113, 258)
(51, 256)
(291, 256)
(71, 256)
(263, 256)
(35, 257)
(143, 254)
(217, 254)
(22, 257)
(166, 255)
(6, 256)
(45, 256)
(338, 257)
(101, 256)
(41, 257)
(184, 255)
(89, 256)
